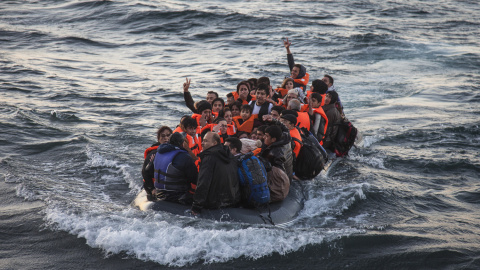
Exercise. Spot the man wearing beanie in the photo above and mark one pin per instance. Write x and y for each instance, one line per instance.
(290, 120)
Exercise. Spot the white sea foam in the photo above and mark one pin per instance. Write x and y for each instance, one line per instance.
(179, 243)
(374, 161)
(23, 192)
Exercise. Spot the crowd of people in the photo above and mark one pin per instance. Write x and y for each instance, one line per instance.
(196, 163)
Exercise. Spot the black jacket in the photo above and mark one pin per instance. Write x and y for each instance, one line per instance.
(279, 153)
(148, 170)
(334, 118)
(217, 184)
(301, 74)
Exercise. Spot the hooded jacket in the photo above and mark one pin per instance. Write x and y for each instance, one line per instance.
(217, 184)
(302, 77)
(334, 118)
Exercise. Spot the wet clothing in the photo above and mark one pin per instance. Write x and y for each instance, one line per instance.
(334, 118)
(217, 185)
(175, 172)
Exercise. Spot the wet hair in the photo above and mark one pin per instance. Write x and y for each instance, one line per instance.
(264, 87)
(329, 77)
(213, 92)
(235, 143)
(219, 99)
(161, 130)
(274, 132)
(295, 105)
(316, 96)
(264, 80)
(284, 83)
(319, 86)
(246, 83)
(279, 109)
(189, 122)
(246, 107)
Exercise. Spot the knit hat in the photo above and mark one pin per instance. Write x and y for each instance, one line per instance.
(290, 118)
(294, 113)
(203, 105)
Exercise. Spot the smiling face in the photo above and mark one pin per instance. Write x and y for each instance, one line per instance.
(295, 72)
(211, 97)
(289, 85)
(261, 96)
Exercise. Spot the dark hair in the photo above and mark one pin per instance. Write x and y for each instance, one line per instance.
(264, 80)
(316, 96)
(253, 83)
(292, 112)
(235, 143)
(329, 77)
(161, 130)
(246, 83)
(285, 82)
(262, 128)
(264, 87)
(238, 104)
(217, 120)
(298, 66)
(279, 109)
(203, 105)
(246, 107)
(333, 97)
(213, 92)
(229, 95)
(274, 132)
(177, 139)
(219, 99)
(319, 86)
(189, 122)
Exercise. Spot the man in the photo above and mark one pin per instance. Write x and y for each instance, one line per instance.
(217, 184)
(290, 120)
(334, 119)
(303, 118)
(175, 171)
(235, 146)
(297, 72)
(211, 95)
(328, 80)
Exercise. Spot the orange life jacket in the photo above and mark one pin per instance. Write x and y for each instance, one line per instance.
(246, 126)
(303, 120)
(151, 148)
(282, 91)
(295, 134)
(304, 80)
(320, 111)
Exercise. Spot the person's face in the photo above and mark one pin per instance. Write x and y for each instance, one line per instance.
(228, 116)
(235, 111)
(295, 71)
(191, 131)
(260, 135)
(207, 114)
(275, 114)
(289, 85)
(268, 140)
(232, 150)
(164, 136)
(208, 141)
(211, 97)
(223, 126)
(217, 106)
(326, 80)
(243, 92)
(245, 115)
(261, 96)
(315, 103)
(328, 98)
(230, 100)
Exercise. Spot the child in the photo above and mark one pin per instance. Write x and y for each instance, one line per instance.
(261, 106)
(246, 121)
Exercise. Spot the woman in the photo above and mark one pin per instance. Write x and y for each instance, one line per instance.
(287, 84)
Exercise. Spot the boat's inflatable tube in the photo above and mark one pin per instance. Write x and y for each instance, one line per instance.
(279, 213)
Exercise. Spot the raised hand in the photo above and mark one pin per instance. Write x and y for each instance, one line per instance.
(186, 85)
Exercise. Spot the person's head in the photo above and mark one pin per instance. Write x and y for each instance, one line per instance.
(261, 132)
(163, 134)
(276, 111)
(331, 97)
(253, 84)
(272, 134)
(177, 139)
(292, 94)
(246, 112)
(264, 80)
(242, 135)
(328, 80)
(287, 83)
(205, 109)
(289, 120)
(210, 139)
(234, 144)
(218, 104)
(295, 105)
(227, 114)
(211, 95)
(295, 71)
(235, 108)
(253, 134)
(243, 90)
(316, 100)
(319, 86)
(263, 91)
(189, 125)
(230, 99)
(222, 123)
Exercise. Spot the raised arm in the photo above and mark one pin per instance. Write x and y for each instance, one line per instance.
(188, 97)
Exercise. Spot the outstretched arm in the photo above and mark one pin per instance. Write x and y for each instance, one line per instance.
(291, 61)
(287, 44)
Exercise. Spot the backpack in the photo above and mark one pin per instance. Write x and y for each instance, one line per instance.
(311, 158)
(345, 138)
(253, 180)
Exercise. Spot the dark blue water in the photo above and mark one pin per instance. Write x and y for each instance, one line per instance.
(85, 84)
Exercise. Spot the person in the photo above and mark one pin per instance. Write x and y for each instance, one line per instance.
(328, 80)
(175, 171)
(261, 133)
(318, 86)
(277, 150)
(235, 108)
(290, 120)
(246, 121)
(303, 118)
(283, 89)
(297, 72)
(334, 119)
(319, 118)
(235, 146)
(204, 115)
(189, 130)
(211, 95)
(230, 99)
(243, 92)
(148, 171)
(228, 116)
(261, 106)
(217, 184)
(276, 111)
(217, 107)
